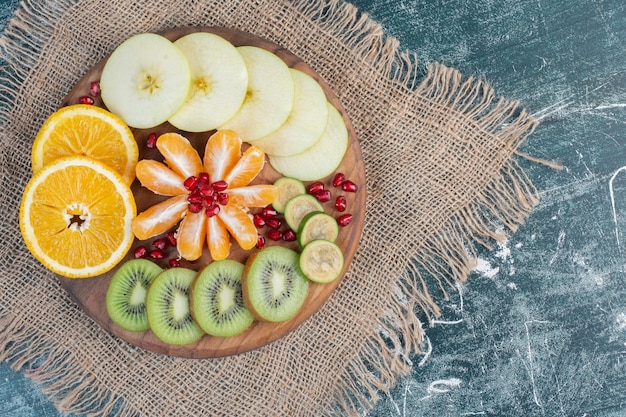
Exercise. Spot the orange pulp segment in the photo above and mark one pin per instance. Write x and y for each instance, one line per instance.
(259, 195)
(87, 130)
(247, 168)
(159, 179)
(239, 225)
(75, 217)
(218, 239)
(159, 218)
(191, 235)
(179, 154)
(221, 153)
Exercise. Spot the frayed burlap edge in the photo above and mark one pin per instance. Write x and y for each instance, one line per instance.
(445, 259)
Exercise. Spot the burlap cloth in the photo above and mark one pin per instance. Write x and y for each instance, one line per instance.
(439, 152)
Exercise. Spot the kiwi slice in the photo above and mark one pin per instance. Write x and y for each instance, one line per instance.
(126, 295)
(217, 300)
(167, 305)
(321, 261)
(317, 225)
(274, 287)
(298, 207)
(287, 188)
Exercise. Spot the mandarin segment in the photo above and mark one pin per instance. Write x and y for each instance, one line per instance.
(239, 225)
(160, 217)
(259, 195)
(221, 153)
(247, 168)
(179, 154)
(159, 179)
(191, 236)
(218, 239)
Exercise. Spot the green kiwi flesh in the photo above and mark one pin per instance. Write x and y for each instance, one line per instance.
(126, 295)
(217, 300)
(274, 287)
(167, 305)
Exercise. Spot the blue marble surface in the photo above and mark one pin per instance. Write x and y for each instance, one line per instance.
(540, 327)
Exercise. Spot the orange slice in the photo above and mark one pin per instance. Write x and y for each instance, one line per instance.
(221, 153)
(75, 217)
(248, 167)
(82, 129)
(160, 218)
(218, 239)
(159, 179)
(259, 195)
(240, 225)
(191, 235)
(179, 155)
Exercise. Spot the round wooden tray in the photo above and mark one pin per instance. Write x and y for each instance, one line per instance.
(89, 294)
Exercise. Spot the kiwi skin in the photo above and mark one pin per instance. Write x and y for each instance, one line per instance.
(246, 290)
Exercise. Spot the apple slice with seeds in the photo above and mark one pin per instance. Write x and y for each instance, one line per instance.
(321, 159)
(219, 80)
(145, 80)
(269, 97)
(306, 122)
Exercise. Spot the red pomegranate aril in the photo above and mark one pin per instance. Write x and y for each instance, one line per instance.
(349, 186)
(195, 198)
(268, 212)
(344, 220)
(222, 198)
(341, 203)
(174, 262)
(315, 188)
(195, 207)
(220, 185)
(260, 242)
(212, 210)
(171, 238)
(203, 178)
(151, 141)
(273, 223)
(94, 88)
(289, 235)
(258, 220)
(86, 100)
(157, 254)
(275, 234)
(160, 243)
(140, 252)
(324, 196)
(191, 183)
(338, 179)
(206, 190)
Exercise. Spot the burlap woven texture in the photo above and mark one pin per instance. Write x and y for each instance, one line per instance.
(441, 177)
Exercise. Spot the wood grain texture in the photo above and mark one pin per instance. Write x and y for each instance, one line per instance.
(90, 293)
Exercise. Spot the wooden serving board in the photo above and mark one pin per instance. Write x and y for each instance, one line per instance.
(90, 293)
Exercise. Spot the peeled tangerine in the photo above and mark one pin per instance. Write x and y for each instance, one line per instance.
(210, 196)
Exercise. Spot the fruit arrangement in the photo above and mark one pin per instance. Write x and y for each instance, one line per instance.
(229, 214)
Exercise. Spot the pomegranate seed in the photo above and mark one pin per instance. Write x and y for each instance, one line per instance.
(289, 235)
(222, 198)
(268, 212)
(195, 207)
(273, 223)
(151, 141)
(171, 238)
(275, 234)
(195, 198)
(220, 185)
(315, 188)
(258, 220)
(338, 179)
(344, 220)
(86, 100)
(324, 196)
(212, 210)
(191, 183)
(205, 190)
(349, 186)
(140, 252)
(341, 203)
(174, 262)
(260, 242)
(160, 243)
(203, 177)
(94, 88)
(157, 254)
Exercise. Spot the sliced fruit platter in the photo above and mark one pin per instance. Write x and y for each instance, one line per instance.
(200, 192)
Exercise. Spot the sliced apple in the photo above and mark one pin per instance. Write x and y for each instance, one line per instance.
(306, 122)
(321, 159)
(269, 97)
(219, 81)
(145, 80)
